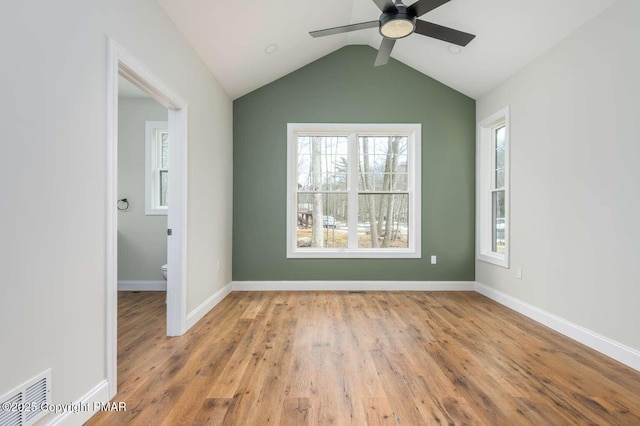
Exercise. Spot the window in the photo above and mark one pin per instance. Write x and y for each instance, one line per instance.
(354, 190)
(493, 189)
(157, 167)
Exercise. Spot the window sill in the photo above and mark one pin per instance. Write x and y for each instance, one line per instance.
(157, 212)
(354, 254)
(494, 259)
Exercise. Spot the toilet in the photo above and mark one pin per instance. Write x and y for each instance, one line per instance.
(164, 272)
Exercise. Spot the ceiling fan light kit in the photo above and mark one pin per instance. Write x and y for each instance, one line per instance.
(399, 21)
(397, 25)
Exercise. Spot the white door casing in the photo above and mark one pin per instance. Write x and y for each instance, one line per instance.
(121, 63)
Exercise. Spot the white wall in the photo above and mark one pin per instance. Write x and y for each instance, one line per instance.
(53, 83)
(575, 205)
(142, 239)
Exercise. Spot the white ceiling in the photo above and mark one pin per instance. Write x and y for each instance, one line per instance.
(232, 38)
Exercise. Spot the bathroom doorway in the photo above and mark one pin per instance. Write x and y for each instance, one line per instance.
(124, 65)
(143, 176)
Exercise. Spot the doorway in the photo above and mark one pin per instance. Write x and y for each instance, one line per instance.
(122, 64)
(143, 173)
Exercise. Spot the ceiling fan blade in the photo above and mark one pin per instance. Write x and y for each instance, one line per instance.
(386, 5)
(385, 51)
(443, 33)
(421, 7)
(344, 29)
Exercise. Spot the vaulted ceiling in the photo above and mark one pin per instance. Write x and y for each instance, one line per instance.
(250, 43)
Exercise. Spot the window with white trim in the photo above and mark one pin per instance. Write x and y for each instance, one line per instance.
(156, 167)
(493, 189)
(353, 190)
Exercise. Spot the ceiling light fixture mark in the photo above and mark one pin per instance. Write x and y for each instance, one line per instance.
(271, 48)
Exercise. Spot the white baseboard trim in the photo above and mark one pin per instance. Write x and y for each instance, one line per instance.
(353, 285)
(204, 308)
(141, 285)
(80, 411)
(602, 344)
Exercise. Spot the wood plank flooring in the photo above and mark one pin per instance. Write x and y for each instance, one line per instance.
(320, 358)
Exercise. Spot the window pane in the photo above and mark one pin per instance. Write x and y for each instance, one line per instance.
(383, 221)
(164, 150)
(498, 222)
(164, 186)
(382, 163)
(500, 134)
(322, 163)
(332, 231)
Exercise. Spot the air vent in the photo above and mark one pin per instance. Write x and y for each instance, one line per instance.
(23, 405)
(11, 417)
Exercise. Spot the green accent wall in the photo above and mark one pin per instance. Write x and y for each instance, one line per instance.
(344, 87)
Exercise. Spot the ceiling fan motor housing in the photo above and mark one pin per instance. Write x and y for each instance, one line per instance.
(397, 24)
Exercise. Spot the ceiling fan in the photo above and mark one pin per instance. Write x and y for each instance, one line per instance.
(398, 21)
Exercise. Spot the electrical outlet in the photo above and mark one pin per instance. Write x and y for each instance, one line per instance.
(519, 273)
(433, 260)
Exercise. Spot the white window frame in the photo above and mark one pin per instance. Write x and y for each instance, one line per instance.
(414, 142)
(153, 148)
(485, 186)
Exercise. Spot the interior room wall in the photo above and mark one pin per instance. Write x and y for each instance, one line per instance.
(344, 87)
(574, 178)
(142, 239)
(54, 89)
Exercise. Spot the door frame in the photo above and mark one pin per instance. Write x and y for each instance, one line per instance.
(122, 63)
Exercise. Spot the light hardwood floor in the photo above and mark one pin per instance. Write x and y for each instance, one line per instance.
(320, 358)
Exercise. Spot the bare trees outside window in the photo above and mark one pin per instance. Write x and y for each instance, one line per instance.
(383, 194)
(322, 191)
(354, 191)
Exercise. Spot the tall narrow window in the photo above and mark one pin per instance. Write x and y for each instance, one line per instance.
(493, 189)
(353, 190)
(157, 167)
(498, 191)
